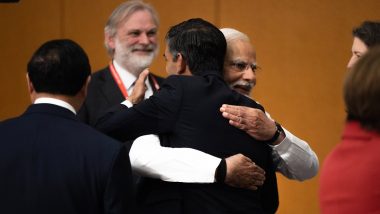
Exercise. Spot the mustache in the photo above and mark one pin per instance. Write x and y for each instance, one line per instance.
(246, 85)
(139, 47)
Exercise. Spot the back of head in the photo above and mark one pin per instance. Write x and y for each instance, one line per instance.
(122, 13)
(59, 67)
(201, 44)
(362, 90)
(368, 32)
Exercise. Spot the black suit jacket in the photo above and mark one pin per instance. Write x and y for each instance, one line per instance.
(50, 162)
(103, 93)
(185, 112)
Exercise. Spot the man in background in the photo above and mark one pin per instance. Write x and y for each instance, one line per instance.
(50, 162)
(130, 37)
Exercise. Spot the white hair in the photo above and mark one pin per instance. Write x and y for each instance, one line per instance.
(233, 34)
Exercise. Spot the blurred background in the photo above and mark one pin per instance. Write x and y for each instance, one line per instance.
(303, 47)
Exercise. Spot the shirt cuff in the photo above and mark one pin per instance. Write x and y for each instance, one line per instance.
(127, 103)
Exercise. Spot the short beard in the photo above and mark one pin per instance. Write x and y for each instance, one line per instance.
(136, 64)
(132, 62)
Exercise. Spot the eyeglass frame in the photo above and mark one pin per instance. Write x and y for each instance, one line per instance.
(243, 66)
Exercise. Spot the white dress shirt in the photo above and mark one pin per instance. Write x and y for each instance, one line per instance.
(129, 79)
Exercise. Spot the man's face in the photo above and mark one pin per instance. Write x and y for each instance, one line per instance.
(135, 42)
(359, 48)
(238, 72)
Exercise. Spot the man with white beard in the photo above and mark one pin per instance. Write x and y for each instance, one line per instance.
(131, 41)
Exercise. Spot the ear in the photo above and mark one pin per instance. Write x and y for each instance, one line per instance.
(30, 84)
(83, 91)
(109, 40)
(180, 64)
(31, 90)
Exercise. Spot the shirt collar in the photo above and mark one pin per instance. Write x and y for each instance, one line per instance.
(129, 79)
(126, 77)
(54, 101)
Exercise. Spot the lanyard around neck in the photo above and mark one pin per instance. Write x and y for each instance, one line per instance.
(120, 83)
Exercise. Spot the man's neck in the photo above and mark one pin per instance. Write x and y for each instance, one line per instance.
(55, 100)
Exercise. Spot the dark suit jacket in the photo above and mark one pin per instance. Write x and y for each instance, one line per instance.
(50, 162)
(103, 93)
(185, 112)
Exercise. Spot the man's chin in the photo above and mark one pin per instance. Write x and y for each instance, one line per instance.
(141, 59)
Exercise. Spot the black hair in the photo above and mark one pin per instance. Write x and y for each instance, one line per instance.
(59, 67)
(201, 44)
(368, 32)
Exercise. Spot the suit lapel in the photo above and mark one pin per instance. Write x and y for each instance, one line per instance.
(110, 90)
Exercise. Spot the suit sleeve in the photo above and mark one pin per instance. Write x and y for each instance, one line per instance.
(119, 195)
(156, 115)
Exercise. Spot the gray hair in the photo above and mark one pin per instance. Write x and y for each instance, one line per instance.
(233, 34)
(122, 13)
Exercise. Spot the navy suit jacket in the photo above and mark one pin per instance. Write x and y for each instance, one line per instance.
(50, 162)
(103, 93)
(185, 112)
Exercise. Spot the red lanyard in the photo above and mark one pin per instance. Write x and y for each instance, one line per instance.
(120, 84)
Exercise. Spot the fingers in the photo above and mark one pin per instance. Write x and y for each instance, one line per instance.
(246, 159)
(238, 123)
(233, 118)
(142, 77)
(242, 172)
(241, 159)
(247, 182)
(231, 109)
(239, 115)
(144, 74)
(140, 88)
(259, 170)
(252, 187)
